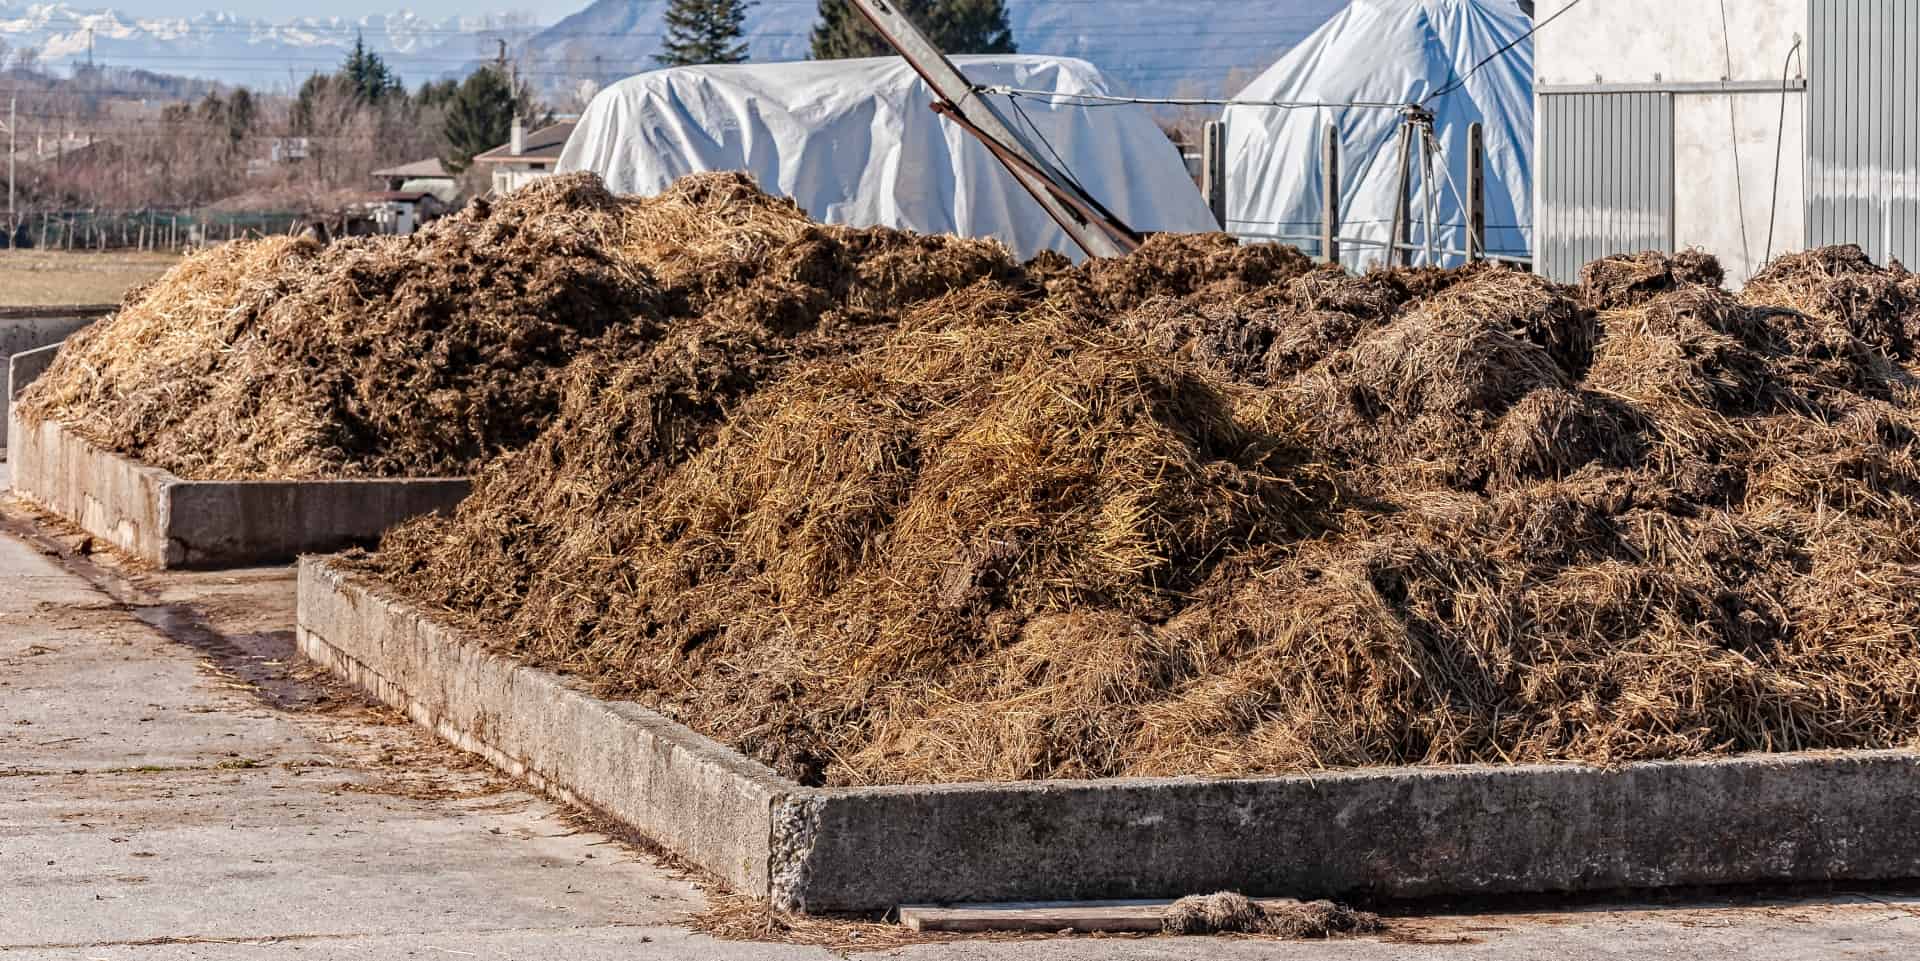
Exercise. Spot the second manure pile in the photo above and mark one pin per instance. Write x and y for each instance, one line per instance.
(429, 354)
(1211, 511)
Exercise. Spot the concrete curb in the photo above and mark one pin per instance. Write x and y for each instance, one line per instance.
(170, 522)
(28, 329)
(1401, 833)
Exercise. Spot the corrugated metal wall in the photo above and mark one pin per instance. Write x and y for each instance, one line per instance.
(1605, 170)
(1863, 134)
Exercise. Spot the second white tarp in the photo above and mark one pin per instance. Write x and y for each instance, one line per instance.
(1389, 52)
(857, 142)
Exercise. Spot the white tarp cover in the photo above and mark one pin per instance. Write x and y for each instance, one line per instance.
(857, 142)
(1389, 51)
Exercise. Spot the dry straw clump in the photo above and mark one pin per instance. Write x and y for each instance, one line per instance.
(1228, 912)
(1840, 285)
(1231, 515)
(1624, 280)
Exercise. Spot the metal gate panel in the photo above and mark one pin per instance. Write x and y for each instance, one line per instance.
(1863, 137)
(1605, 170)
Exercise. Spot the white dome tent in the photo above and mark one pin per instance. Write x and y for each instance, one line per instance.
(1389, 52)
(857, 142)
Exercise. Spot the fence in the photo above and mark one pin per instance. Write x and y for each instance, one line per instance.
(1329, 240)
(161, 230)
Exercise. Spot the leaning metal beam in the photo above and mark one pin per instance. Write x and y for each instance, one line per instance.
(1092, 226)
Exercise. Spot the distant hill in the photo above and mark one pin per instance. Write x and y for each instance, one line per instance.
(1149, 46)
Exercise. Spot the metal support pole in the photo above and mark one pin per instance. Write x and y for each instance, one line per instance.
(1476, 193)
(1402, 232)
(13, 137)
(1330, 194)
(1092, 226)
(1429, 200)
(1213, 169)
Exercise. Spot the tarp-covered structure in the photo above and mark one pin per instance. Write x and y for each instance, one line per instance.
(857, 142)
(1389, 52)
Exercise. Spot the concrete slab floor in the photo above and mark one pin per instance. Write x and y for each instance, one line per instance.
(174, 785)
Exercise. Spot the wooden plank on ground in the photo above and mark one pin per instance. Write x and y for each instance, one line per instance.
(1048, 916)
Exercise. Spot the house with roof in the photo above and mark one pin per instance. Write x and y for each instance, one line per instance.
(420, 176)
(526, 156)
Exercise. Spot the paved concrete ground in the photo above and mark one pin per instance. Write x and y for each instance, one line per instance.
(174, 785)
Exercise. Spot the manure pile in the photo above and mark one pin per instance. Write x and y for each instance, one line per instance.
(1210, 510)
(428, 355)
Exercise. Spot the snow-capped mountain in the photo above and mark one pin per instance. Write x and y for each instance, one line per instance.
(256, 52)
(1148, 46)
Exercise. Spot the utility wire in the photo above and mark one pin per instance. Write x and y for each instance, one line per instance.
(1112, 100)
(1733, 133)
(1503, 51)
(1109, 100)
(1779, 139)
(1065, 168)
(265, 27)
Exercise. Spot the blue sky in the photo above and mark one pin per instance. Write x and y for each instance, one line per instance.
(547, 11)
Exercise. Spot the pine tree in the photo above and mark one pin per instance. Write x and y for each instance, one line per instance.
(704, 31)
(242, 110)
(970, 26)
(367, 74)
(955, 26)
(480, 115)
(434, 94)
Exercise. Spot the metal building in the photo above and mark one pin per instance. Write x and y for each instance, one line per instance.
(1748, 128)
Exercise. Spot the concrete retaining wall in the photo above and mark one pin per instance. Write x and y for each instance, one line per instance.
(169, 522)
(1402, 833)
(24, 329)
(1395, 833)
(26, 367)
(694, 796)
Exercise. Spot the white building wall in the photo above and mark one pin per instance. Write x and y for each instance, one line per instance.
(1709, 211)
(507, 179)
(1674, 41)
(1725, 142)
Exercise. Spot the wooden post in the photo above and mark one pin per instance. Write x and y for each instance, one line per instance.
(1476, 193)
(1213, 169)
(1330, 195)
(1429, 196)
(1402, 232)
